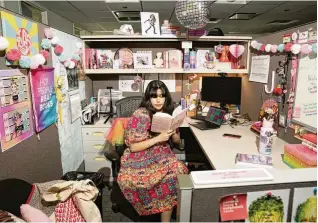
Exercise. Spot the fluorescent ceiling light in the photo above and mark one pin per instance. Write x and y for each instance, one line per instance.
(242, 16)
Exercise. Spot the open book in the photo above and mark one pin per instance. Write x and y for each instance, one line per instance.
(162, 122)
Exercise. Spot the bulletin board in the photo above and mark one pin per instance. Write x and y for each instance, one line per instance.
(15, 111)
(305, 103)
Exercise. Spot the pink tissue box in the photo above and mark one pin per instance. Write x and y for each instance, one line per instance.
(298, 155)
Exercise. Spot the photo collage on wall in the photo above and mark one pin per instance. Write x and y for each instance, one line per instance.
(15, 110)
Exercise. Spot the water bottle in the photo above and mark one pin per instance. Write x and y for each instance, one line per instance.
(266, 138)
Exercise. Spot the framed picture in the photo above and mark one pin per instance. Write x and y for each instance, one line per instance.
(143, 59)
(150, 23)
(21, 34)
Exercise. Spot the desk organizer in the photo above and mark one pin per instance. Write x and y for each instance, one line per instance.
(299, 156)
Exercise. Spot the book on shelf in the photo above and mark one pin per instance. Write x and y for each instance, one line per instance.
(162, 122)
(250, 160)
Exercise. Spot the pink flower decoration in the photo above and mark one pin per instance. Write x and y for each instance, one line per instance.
(45, 54)
(13, 55)
(75, 61)
(274, 48)
(262, 49)
(48, 32)
(305, 49)
(288, 47)
(58, 50)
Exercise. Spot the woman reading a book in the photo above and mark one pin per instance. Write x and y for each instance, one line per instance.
(149, 169)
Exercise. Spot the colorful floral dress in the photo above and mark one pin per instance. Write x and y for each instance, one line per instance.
(148, 179)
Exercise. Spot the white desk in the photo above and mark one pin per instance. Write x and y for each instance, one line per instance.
(221, 152)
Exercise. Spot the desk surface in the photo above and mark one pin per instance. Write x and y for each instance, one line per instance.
(221, 152)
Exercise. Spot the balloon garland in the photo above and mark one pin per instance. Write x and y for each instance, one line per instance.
(294, 48)
(40, 58)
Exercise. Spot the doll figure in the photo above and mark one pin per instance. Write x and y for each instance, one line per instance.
(152, 22)
(224, 56)
(14, 91)
(158, 62)
(18, 125)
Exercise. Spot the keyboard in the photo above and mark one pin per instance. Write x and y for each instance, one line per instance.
(199, 117)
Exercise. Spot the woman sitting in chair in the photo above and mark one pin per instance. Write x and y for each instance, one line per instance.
(149, 169)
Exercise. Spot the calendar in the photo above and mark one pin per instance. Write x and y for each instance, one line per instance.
(15, 108)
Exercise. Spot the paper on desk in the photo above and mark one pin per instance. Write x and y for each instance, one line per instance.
(230, 176)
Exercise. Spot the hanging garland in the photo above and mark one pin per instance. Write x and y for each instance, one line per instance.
(40, 58)
(294, 48)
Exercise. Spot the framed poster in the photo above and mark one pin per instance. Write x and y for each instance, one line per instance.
(15, 111)
(150, 23)
(305, 205)
(21, 34)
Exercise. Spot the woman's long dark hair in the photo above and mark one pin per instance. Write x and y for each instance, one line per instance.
(151, 92)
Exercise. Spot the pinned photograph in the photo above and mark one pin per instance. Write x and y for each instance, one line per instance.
(150, 23)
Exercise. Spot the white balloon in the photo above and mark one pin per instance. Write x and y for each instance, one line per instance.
(79, 45)
(268, 48)
(40, 59)
(295, 49)
(55, 40)
(72, 65)
(4, 43)
(34, 62)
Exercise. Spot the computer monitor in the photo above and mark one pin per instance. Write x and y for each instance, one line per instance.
(226, 90)
(215, 115)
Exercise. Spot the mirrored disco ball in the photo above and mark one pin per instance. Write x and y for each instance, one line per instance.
(193, 14)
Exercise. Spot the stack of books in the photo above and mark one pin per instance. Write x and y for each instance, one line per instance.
(170, 30)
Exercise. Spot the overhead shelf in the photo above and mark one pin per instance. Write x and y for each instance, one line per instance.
(137, 38)
(165, 71)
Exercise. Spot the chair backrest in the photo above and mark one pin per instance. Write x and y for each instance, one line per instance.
(125, 107)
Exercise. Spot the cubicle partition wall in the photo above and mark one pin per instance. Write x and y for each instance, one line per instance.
(202, 205)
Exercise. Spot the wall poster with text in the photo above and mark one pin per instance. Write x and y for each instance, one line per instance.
(43, 97)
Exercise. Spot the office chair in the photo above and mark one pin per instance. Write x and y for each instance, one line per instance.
(124, 108)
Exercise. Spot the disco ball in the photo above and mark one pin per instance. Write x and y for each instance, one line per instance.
(193, 14)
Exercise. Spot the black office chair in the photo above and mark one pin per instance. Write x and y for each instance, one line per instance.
(124, 108)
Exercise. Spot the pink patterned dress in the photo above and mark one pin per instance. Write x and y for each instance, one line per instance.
(148, 179)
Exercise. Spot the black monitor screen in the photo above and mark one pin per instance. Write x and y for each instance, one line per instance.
(225, 90)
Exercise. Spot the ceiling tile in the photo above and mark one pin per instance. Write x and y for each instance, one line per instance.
(224, 10)
(272, 2)
(90, 5)
(75, 17)
(158, 5)
(91, 26)
(57, 6)
(125, 6)
(285, 9)
(99, 14)
(301, 3)
(255, 8)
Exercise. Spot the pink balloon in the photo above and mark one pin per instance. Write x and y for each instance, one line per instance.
(274, 48)
(305, 49)
(237, 50)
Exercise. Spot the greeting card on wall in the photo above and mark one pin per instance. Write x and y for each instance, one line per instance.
(268, 206)
(44, 97)
(21, 33)
(15, 110)
(75, 105)
(305, 205)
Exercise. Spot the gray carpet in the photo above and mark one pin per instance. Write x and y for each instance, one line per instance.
(108, 214)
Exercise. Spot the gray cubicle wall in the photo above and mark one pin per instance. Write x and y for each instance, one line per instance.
(205, 202)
